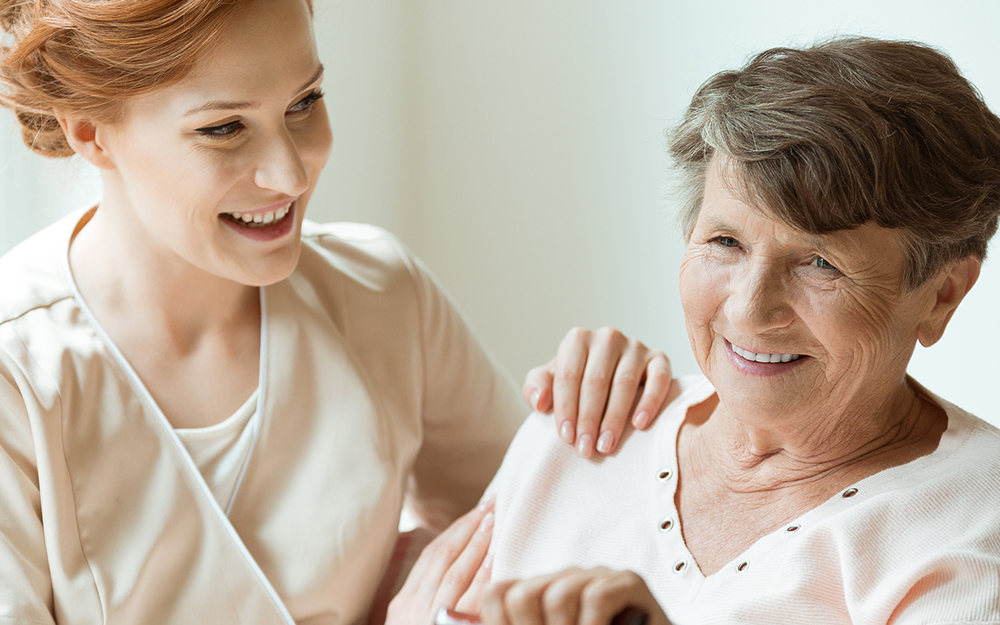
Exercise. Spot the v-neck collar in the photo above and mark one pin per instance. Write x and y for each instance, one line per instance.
(959, 428)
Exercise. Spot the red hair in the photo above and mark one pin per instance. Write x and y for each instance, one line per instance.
(89, 57)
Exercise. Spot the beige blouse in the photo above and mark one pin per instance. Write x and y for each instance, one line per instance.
(373, 388)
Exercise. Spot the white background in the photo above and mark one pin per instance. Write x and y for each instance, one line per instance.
(517, 147)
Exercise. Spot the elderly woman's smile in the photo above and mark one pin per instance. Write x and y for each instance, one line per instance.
(796, 326)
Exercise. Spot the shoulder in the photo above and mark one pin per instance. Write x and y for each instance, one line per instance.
(31, 274)
(538, 459)
(360, 249)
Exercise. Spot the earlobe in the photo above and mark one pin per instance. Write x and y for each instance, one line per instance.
(952, 284)
(84, 137)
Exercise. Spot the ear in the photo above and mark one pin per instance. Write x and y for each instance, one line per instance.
(951, 284)
(86, 138)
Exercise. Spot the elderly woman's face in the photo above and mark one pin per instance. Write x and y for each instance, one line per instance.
(788, 325)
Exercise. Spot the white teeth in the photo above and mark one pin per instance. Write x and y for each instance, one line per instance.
(768, 358)
(262, 219)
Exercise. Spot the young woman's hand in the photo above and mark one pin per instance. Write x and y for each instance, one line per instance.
(451, 572)
(570, 597)
(597, 380)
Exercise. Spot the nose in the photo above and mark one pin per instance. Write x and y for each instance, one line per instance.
(760, 298)
(280, 167)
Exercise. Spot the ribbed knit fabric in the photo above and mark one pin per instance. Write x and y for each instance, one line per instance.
(917, 543)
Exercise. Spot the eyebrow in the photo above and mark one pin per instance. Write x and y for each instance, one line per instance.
(230, 105)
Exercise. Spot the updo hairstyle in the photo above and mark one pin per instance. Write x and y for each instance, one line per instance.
(847, 132)
(89, 56)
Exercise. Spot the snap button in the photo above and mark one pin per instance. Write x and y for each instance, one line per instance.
(742, 566)
(680, 566)
(664, 475)
(791, 529)
(850, 492)
(666, 525)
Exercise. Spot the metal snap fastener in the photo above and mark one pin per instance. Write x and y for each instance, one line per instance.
(742, 566)
(791, 529)
(664, 475)
(666, 525)
(680, 566)
(850, 492)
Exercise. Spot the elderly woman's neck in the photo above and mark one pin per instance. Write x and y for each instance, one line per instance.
(859, 441)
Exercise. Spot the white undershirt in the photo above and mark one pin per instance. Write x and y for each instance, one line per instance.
(220, 451)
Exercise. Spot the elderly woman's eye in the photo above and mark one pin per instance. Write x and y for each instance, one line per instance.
(727, 241)
(822, 263)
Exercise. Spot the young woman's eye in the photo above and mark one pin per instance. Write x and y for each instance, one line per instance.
(727, 241)
(822, 263)
(307, 102)
(221, 132)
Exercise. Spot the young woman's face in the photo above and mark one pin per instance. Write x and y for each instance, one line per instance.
(217, 169)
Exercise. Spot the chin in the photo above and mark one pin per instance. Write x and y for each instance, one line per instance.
(267, 271)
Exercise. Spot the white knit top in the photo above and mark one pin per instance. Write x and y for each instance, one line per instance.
(917, 543)
(220, 451)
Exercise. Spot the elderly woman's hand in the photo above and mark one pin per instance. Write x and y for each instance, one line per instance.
(571, 597)
(594, 384)
(451, 572)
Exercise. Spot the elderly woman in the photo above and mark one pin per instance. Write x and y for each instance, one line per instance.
(840, 201)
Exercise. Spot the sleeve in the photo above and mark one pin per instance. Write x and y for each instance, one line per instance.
(25, 584)
(471, 409)
(959, 589)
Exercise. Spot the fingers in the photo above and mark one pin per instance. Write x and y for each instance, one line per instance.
(561, 601)
(471, 601)
(656, 393)
(492, 610)
(570, 597)
(461, 575)
(595, 384)
(570, 362)
(537, 389)
(609, 594)
(438, 558)
(607, 349)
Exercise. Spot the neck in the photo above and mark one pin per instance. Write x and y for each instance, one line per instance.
(123, 273)
(864, 438)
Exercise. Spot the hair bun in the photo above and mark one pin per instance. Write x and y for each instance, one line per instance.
(12, 13)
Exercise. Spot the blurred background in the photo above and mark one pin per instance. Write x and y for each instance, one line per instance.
(517, 147)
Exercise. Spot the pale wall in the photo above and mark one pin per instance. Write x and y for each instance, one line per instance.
(517, 147)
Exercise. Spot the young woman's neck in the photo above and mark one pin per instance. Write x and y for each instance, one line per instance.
(121, 269)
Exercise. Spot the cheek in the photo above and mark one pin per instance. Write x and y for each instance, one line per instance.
(855, 331)
(315, 142)
(702, 293)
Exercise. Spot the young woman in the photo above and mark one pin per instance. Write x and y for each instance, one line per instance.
(211, 410)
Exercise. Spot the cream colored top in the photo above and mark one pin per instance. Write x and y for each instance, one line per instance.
(373, 389)
(221, 451)
(917, 543)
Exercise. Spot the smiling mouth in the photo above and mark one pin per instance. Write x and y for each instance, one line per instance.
(259, 220)
(746, 354)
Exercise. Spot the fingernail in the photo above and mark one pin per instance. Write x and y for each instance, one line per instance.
(487, 503)
(487, 523)
(605, 443)
(583, 446)
(566, 432)
(488, 561)
(534, 398)
(641, 420)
